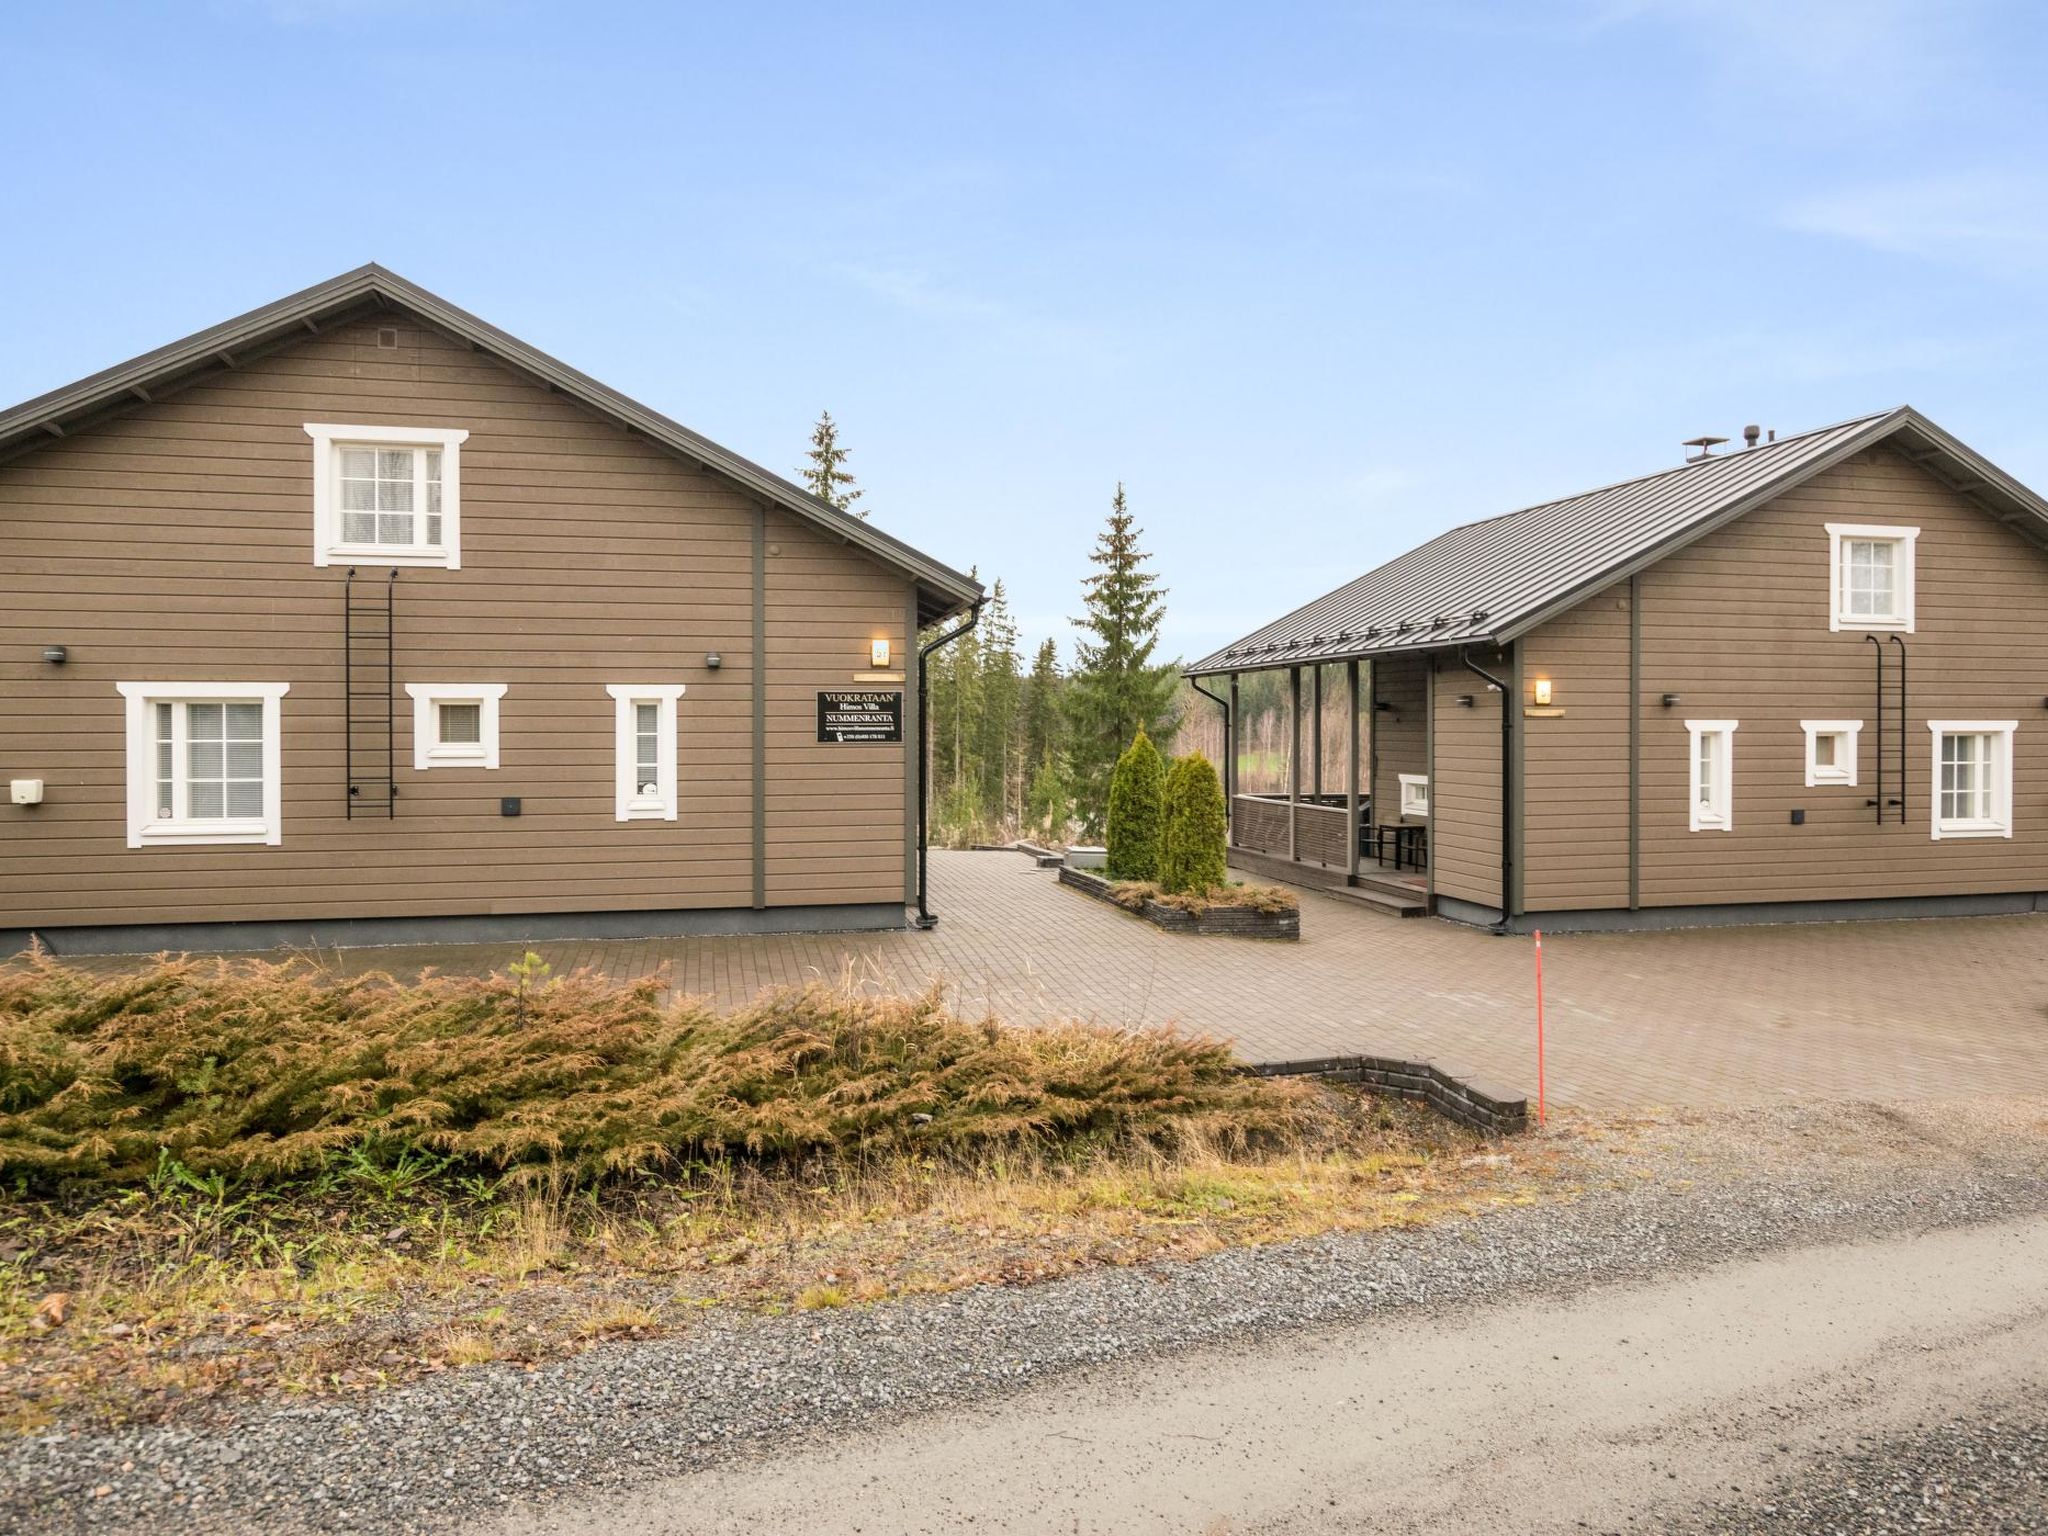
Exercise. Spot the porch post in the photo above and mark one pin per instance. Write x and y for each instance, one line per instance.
(1294, 763)
(1316, 737)
(1351, 772)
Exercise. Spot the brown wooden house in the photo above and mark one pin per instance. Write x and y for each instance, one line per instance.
(1806, 678)
(355, 619)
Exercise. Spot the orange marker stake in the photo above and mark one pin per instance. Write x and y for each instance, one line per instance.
(1541, 1115)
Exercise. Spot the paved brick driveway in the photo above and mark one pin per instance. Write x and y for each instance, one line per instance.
(1932, 1009)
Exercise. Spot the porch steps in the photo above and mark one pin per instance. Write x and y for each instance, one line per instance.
(1381, 898)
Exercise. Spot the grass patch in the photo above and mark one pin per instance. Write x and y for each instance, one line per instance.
(253, 1179)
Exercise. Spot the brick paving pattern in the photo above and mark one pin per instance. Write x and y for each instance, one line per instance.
(1931, 1009)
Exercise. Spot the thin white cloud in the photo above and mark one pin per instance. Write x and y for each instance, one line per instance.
(1864, 58)
(1989, 221)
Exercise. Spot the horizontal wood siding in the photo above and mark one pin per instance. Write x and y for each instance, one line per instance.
(1575, 764)
(1737, 626)
(1464, 791)
(175, 544)
(835, 810)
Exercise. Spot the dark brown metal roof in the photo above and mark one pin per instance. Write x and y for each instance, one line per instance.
(941, 589)
(1489, 581)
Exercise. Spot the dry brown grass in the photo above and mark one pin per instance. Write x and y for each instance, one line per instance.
(1133, 894)
(243, 1180)
(176, 1301)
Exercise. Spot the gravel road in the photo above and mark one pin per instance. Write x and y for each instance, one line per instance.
(460, 1450)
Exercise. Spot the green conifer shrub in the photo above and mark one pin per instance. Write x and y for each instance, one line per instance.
(1137, 794)
(1191, 853)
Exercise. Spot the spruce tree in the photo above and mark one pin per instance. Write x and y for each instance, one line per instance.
(826, 475)
(1137, 795)
(1043, 735)
(998, 746)
(1116, 689)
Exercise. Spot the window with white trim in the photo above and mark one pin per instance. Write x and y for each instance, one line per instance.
(1871, 570)
(1414, 794)
(1830, 751)
(1972, 777)
(389, 494)
(204, 763)
(645, 726)
(1711, 777)
(455, 725)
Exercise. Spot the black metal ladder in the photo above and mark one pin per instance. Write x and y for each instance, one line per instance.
(368, 686)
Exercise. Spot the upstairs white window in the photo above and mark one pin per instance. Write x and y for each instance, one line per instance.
(388, 494)
(645, 726)
(1711, 790)
(1830, 751)
(1872, 574)
(1972, 777)
(1415, 794)
(204, 763)
(455, 725)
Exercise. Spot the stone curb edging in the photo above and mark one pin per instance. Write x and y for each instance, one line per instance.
(1452, 1097)
(1045, 857)
(1239, 922)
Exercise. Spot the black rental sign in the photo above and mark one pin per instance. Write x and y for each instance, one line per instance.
(859, 715)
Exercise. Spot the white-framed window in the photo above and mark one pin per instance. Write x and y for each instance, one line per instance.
(1415, 794)
(1830, 751)
(1972, 777)
(646, 747)
(455, 725)
(1711, 777)
(204, 763)
(1871, 571)
(388, 494)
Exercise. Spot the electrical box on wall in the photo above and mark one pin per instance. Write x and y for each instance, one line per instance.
(25, 791)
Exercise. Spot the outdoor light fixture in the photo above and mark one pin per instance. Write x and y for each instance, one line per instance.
(713, 661)
(1542, 690)
(878, 653)
(1465, 701)
(1670, 699)
(55, 654)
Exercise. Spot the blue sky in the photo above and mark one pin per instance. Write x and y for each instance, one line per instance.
(1315, 281)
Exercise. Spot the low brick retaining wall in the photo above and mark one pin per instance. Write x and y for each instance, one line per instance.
(1449, 1096)
(1241, 922)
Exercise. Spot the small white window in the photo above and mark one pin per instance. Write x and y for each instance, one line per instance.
(1414, 794)
(1830, 751)
(204, 763)
(646, 748)
(1712, 777)
(389, 494)
(1972, 777)
(1871, 569)
(455, 725)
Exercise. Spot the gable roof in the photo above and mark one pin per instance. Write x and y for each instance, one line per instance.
(126, 386)
(1489, 581)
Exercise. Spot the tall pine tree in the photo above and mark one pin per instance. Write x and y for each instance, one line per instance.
(825, 474)
(999, 745)
(1116, 689)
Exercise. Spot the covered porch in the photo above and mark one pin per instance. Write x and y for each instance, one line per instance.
(1327, 777)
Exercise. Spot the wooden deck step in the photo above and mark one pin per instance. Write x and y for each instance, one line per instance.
(1381, 900)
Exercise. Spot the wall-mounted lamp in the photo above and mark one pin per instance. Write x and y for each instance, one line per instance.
(55, 655)
(713, 661)
(1542, 690)
(878, 653)
(1670, 700)
(1464, 701)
